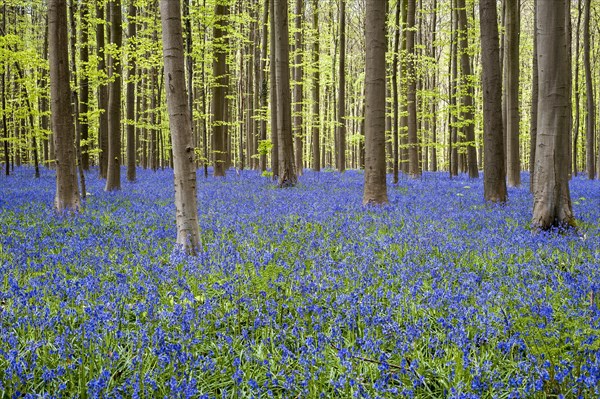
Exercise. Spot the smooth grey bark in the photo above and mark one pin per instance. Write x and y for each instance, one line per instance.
(511, 52)
(287, 172)
(115, 69)
(273, 88)
(184, 163)
(494, 176)
(395, 99)
(552, 199)
(84, 90)
(262, 79)
(67, 192)
(375, 187)
(534, 107)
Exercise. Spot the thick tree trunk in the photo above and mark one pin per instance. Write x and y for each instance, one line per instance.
(468, 118)
(184, 163)
(298, 89)
(131, 144)
(512, 92)
(589, 93)
(494, 176)
(552, 200)
(219, 90)
(342, 94)
(375, 189)
(102, 91)
(576, 128)
(287, 173)
(113, 178)
(67, 193)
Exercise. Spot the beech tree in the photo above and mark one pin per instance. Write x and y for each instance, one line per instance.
(512, 68)
(219, 89)
(113, 178)
(67, 191)
(552, 199)
(184, 162)
(494, 176)
(375, 188)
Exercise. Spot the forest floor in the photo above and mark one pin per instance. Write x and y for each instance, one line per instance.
(297, 293)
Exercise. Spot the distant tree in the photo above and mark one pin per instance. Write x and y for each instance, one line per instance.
(219, 89)
(375, 189)
(316, 119)
(589, 94)
(342, 90)
(287, 172)
(102, 89)
(67, 192)
(113, 178)
(130, 101)
(494, 176)
(552, 199)
(184, 162)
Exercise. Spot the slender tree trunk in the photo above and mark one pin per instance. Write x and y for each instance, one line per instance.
(494, 176)
(589, 93)
(273, 87)
(375, 188)
(413, 141)
(298, 88)
(113, 180)
(575, 167)
(287, 173)
(434, 161)
(534, 107)
(512, 92)
(219, 89)
(395, 100)
(316, 139)
(552, 200)
(131, 144)
(342, 92)
(102, 91)
(188, 230)
(262, 78)
(84, 89)
(453, 129)
(4, 119)
(67, 194)
(467, 98)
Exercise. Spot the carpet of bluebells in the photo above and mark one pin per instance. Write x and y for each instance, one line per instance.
(297, 293)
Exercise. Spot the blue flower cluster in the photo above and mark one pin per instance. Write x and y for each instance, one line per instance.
(296, 293)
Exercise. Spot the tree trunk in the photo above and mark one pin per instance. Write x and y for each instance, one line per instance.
(131, 145)
(67, 194)
(298, 88)
(413, 140)
(262, 78)
(316, 92)
(534, 107)
(4, 121)
(395, 100)
(84, 90)
(589, 93)
(552, 200)
(219, 89)
(468, 118)
(287, 173)
(375, 189)
(434, 161)
(511, 49)
(494, 176)
(342, 92)
(113, 179)
(576, 128)
(184, 163)
(273, 87)
(102, 91)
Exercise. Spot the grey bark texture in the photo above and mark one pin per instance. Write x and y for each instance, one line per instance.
(184, 163)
